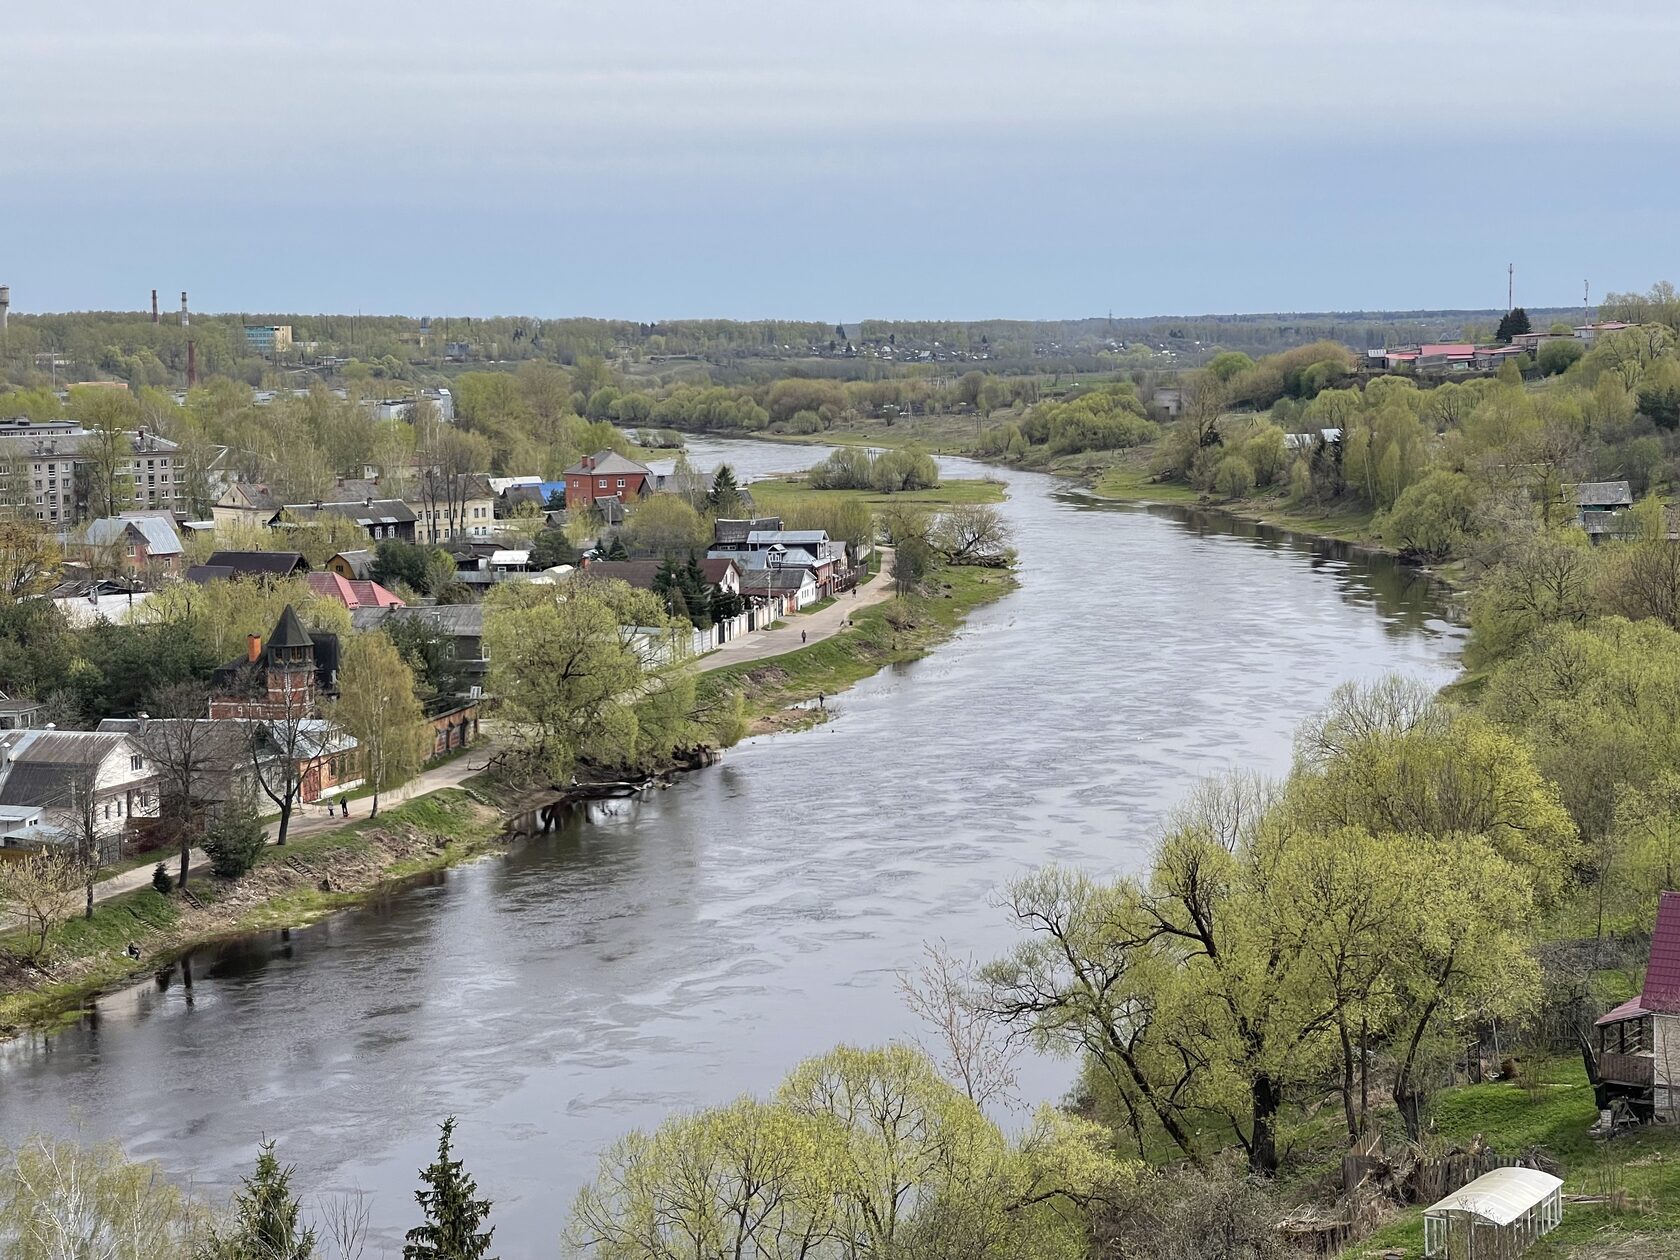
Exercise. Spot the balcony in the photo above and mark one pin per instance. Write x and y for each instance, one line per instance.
(1626, 1069)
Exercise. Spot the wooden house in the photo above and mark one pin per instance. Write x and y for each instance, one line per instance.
(1638, 1043)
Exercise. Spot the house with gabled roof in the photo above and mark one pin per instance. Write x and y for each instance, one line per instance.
(605, 475)
(1637, 1044)
(139, 542)
(72, 775)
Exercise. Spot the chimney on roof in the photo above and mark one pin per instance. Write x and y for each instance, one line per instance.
(253, 647)
(588, 461)
(141, 719)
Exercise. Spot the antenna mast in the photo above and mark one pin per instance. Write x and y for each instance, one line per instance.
(1510, 286)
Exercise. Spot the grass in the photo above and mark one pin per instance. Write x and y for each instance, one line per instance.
(86, 957)
(831, 666)
(1554, 1116)
(778, 494)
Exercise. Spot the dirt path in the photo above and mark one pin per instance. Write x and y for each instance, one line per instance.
(816, 626)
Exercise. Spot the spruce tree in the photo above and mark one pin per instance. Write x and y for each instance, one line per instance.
(617, 551)
(725, 495)
(454, 1217)
(265, 1217)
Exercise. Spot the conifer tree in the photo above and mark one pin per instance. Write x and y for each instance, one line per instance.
(617, 551)
(265, 1218)
(453, 1228)
(724, 497)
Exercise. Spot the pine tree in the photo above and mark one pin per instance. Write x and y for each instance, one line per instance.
(453, 1216)
(265, 1217)
(617, 551)
(1514, 323)
(725, 494)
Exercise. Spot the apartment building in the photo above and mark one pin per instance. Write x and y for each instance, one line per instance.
(46, 468)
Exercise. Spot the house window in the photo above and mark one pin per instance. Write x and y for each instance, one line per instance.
(107, 809)
(602, 483)
(136, 762)
(621, 483)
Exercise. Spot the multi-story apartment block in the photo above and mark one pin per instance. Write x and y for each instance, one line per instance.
(268, 338)
(45, 469)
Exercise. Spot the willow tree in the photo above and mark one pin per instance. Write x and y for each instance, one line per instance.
(377, 704)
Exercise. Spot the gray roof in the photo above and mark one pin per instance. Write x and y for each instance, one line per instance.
(1603, 494)
(789, 579)
(607, 462)
(36, 763)
(787, 537)
(160, 536)
(360, 562)
(726, 531)
(460, 620)
(378, 512)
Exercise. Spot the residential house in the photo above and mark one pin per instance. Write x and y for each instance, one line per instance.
(464, 507)
(239, 754)
(1590, 333)
(20, 713)
(1602, 508)
(461, 624)
(382, 519)
(481, 565)
(135, 542)
(1637, 1044)
(222, 566)
(827, 559)
(246, 504)
(357, 566)
(23, 826)
(53, 461)
(64, 773)
(605, 475)
(353, 594)
(278, 679)
(783, 590)
(84, 599)
(729, 533)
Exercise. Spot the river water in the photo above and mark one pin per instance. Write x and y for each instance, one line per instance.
(683, 949)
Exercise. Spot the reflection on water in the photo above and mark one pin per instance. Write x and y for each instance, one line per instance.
(692, 943)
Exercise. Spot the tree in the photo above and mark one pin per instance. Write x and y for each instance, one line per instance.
(265, 1222)
(60, 1201)
(102, 472)
(912, 561)
(948, 994)
(454, 1218)
(975, 533)
(667, 524)
(41, 891)
(1558, 355)
(1513, 323)
(1433, 517)
(552, 548)
(188, 753)
(281, 746)
(82, 832)
(236, 836)
(724, 498)
(618, 551)
(378, 707)
(29, 559)
(1233, 477)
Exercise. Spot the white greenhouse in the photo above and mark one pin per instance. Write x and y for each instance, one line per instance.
(1496, 1217)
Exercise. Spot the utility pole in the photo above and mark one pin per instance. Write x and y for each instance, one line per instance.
(1510, 286)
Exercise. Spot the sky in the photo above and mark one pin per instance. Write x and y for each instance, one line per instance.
(662, 159)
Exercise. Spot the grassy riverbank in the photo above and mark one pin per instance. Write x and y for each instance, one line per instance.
(307, 879)
(777, 689)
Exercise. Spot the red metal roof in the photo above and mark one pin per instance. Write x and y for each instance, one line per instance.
(1662, 976)
(1627, 1010)
(1447, 348)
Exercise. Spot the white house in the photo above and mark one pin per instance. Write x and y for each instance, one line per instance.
(61, 772)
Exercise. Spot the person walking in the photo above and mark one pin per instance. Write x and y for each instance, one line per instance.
(802, 636)
(344, 806)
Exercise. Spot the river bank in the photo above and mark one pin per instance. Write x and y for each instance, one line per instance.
(288, 886)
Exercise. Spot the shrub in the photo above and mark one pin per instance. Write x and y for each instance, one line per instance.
(161, 880)
(1233, 478)
(235, 838)
(1556, 357)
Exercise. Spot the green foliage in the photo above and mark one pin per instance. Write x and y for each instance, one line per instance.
(235, 838)
(60, 1201)
(1233, 477)
(161, 881)
(265, 1223)
(1433, 517)
(454, 1217)
(425, 570)
(1558, 355)
(551, 548)
(1514, 323)
(889, 472)
(1103, 419)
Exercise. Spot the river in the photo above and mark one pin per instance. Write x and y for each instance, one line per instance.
(686, 948)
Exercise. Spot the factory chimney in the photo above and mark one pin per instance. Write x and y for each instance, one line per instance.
(154, 306)
(192, 358)
(183, 308)
(5, 304)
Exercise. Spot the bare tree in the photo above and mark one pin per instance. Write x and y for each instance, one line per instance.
(181, 749)
(81, 810)
(281, 748)
(40, 890)
(342, 1221)
(973, 1049)
(972, 533)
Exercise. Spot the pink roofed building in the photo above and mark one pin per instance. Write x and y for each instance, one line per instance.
(352, 593)
(1638, 1043)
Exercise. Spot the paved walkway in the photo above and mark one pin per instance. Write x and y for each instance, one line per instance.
(308, 820)
(817, 626)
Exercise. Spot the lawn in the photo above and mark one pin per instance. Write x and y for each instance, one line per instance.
(1553, 1115)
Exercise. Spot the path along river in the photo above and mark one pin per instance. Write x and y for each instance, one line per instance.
(687, 948)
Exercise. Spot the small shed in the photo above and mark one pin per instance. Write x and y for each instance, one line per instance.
(1495, 1217)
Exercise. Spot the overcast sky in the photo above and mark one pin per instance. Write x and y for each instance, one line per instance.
(669, 158)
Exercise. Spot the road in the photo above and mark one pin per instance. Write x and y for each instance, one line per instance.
(817, 626)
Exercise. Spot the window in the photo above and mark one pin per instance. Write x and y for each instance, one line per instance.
(107, 809)
(621, 483)
(136, 762)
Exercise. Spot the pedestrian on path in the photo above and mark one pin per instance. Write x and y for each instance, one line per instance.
(802, 636)
(344, 806)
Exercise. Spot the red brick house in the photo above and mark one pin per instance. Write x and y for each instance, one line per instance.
(605, 475)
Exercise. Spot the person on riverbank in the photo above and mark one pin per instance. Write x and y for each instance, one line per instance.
(802, 636)
(344, 806)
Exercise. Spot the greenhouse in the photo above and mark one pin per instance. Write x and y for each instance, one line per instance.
(1496, 1217)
